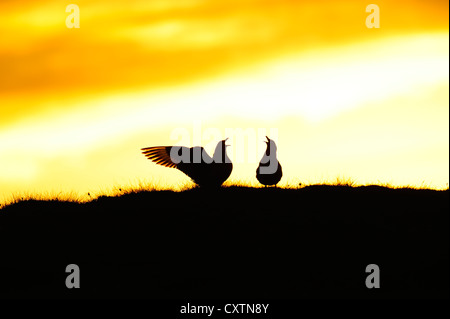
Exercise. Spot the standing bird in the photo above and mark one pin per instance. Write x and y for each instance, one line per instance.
(269, 171)
(194, 162)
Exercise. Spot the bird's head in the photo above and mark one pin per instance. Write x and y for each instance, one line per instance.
(271, 146)
(222, 145)
(220, 154)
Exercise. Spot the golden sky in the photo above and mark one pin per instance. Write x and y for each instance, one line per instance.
(76, 105)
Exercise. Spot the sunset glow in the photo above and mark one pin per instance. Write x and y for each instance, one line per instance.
(76, 105)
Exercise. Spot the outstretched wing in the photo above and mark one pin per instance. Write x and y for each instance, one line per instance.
(161, 154)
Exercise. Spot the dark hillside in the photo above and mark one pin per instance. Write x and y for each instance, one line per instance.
(233, 242)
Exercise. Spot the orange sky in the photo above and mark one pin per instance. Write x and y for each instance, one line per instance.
(77, 104)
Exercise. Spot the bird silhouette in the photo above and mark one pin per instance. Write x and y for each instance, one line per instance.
(269, 171)
(204, 170)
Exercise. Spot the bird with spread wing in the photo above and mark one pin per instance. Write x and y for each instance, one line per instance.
(204, 170)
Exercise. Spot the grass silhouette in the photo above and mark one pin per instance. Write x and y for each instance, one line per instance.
(239, 241)
(159, 185)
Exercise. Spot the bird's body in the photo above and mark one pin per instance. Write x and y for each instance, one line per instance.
(204, 170)
(269, 179)
(269, 171)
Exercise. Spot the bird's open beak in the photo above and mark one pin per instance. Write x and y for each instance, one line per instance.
(268, 140)
(225, 141)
